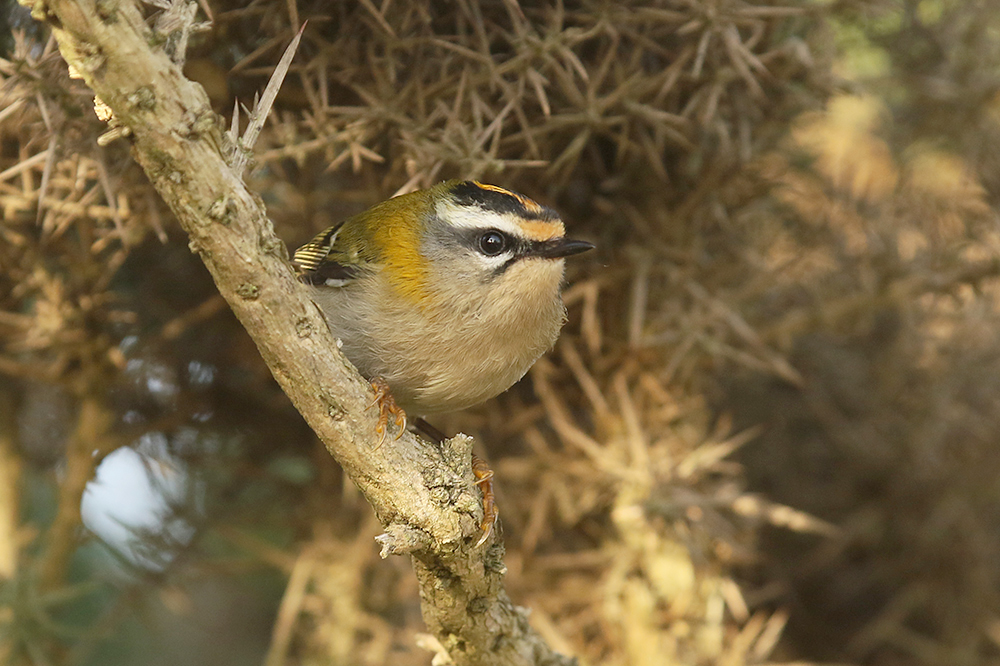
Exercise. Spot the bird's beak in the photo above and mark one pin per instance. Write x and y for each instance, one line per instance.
(560, 247)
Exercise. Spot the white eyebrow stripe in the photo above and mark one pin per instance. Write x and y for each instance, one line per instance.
(478, 218)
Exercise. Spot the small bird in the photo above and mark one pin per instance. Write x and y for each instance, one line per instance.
(444, 297)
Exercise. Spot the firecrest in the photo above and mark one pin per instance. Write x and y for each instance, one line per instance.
(444, 296)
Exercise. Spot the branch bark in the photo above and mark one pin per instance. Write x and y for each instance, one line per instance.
(422, 493)
(10, 496)
(90, 441)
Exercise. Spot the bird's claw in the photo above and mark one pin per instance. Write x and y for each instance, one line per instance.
(491, 513)
(386, 406)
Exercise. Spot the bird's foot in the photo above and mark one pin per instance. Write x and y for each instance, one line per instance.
(386, 406)
(491, 512)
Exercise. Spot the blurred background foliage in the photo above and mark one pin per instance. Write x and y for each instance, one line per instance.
(768, 433)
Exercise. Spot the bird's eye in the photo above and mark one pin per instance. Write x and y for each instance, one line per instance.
(492, 243)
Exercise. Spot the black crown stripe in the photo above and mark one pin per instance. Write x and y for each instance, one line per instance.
(499, 200)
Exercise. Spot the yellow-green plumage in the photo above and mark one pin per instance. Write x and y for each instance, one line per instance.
(386, 235)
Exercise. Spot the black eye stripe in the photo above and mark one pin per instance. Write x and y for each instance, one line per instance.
(493, 242)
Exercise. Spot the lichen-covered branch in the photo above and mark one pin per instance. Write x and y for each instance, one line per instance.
(422, 493)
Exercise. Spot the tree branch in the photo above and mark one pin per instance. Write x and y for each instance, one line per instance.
(90, 441)
(422, 493)
(10, 495)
